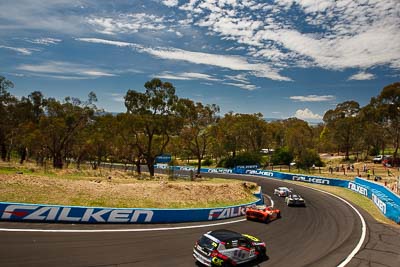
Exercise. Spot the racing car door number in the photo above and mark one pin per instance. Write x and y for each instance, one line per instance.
(239, 254)
(252, 252)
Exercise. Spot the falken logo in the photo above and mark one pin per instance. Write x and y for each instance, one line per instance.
(358, 188)
(67, 214)
(219, 171)
(217, 214)
(379, 203)
(258, 172)
(313, 180)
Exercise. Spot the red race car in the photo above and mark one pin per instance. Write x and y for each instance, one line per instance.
(262, 213)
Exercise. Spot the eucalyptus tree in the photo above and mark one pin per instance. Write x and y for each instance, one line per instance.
(196, 132)
(387, 105)
(7, 104)
(129, 139)
(62, 123)
(156, 119)
(298, 136)
(344, 125)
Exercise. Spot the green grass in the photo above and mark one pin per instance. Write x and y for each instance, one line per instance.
(364, 203)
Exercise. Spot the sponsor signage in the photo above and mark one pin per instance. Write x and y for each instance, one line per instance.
(74, 214)
(22, 212)
(164, 158)
(313, 180)
(379, 203)
(358, 188)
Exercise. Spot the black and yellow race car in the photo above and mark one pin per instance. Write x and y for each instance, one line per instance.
(228, 248)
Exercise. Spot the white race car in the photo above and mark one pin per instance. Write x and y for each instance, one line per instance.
(282, 191)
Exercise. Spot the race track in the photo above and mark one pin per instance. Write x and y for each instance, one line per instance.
(322, 234)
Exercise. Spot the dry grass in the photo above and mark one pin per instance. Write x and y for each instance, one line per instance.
(117, 189)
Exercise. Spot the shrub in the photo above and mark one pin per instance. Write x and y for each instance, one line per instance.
(246, 158)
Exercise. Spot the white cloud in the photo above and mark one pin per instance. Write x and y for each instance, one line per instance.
(106, 42)
(236, 63)
(117, 97)
(24, 51)
(186, 76)
(45, 41)
(217, 60)
(170, 3)
(340, 34)
(127, 23)
(63, 70)
(249, 87)
(362, 76)
(313, 98)
(307, 114)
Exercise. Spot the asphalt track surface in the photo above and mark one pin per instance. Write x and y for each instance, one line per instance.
(322, 234)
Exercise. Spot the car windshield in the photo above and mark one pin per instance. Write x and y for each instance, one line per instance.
(296, 196)
(205, 242)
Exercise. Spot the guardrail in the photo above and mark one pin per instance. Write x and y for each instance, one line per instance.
(74, 214)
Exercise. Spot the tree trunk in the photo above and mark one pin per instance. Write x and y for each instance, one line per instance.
(138, 168)
(23, 155)
(57, 161)
(150, 165)
(198, 165)
(3, 152)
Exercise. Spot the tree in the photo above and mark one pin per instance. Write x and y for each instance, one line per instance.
(155, 110)
(387, 105)
(343, 124)
(196, 133)
(62, 123)
(7, 103)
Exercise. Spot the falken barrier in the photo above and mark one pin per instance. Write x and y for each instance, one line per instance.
(387, 202)
(75, 214)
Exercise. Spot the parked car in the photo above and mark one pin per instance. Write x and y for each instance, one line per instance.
(228, 248)
(380, 158)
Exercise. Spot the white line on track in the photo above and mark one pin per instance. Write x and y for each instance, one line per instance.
(119, 230)
(363, 226)
(342, 264)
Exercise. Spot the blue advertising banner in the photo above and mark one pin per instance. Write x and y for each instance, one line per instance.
(164, 158)
(76, 214)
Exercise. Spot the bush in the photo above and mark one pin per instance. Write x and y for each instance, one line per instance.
(308, 158)
(207, 162)
(246, 158)
(282, 156)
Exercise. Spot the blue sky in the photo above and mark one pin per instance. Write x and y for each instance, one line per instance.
(283, 58)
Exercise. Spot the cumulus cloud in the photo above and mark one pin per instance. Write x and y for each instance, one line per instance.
(313, 98)
(127, 23)
(307, 114)
(340, 34)
(362, 76)
(170, 3)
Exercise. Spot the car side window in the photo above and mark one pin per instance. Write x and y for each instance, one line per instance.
(244, 243)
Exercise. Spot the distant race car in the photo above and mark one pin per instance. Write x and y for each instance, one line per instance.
(228, 248)
(262, 213)
(295, 200)
(282, 191)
